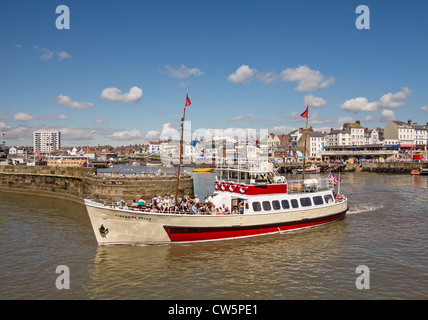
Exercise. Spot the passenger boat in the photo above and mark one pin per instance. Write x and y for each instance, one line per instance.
(269, 204)
(204, 170)
(312, 169)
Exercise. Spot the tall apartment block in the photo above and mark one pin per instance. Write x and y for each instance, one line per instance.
(46, 140)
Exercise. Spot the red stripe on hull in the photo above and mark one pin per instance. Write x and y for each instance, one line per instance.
(182, 234)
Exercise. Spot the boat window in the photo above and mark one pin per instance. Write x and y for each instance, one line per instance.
(294, 203)
(305, 202)
(266, 205)
(328, 198)
(285, 204)
(256, 206)
(318, 200)
(275, 205)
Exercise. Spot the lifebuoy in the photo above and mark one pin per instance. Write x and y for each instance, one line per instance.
(216, 185)
(232, 187)
(243, 189)
(222, 187)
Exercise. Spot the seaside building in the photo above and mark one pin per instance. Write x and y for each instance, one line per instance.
(400, 131)
(46, 140)
(421, 135)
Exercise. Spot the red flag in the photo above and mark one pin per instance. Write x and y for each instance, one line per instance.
(187, 100)
(305, 114)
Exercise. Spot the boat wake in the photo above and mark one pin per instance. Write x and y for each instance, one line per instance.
(364, 207)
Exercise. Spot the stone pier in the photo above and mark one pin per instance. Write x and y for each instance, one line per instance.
(79, 183)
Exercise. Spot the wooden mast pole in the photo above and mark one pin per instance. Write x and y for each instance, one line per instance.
(181, 146)
(304, 150)
(181, 152)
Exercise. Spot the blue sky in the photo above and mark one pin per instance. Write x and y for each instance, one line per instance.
(123, 67)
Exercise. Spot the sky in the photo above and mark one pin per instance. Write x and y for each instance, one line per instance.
(123, 68)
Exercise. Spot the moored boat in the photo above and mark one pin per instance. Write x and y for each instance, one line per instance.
(258, 202)
(204, 170)
(420, 171)
(312, 169)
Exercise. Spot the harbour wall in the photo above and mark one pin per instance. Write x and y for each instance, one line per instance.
(78, 183)
(380, 167)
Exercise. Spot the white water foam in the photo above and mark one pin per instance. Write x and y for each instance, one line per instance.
(364, 207)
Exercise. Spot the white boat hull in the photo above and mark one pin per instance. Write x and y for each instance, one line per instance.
(118, 226)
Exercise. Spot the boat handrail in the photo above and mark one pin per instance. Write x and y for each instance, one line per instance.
(308, 185)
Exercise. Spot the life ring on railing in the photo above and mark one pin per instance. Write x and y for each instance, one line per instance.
(222, 187)
(232, 187)
(243, 189)
(216, 185)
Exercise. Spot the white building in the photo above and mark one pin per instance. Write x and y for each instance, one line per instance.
(356, 132)
(371, 136)
(401, 131)
(316, 143)
(421, 134)
(46, 140)
(337, 138)
(154, 147)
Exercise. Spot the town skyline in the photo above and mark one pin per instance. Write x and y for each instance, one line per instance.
(124, 73)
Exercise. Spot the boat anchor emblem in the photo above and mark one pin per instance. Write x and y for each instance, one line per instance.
(103, 231)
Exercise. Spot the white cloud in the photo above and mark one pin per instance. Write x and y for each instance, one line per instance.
(67, 102)
(394, 100)
(241, 118)
(281, 129)
(248, 117)
(115, 95)
(62, 117)
(183, 72)
(242, 74)
(169, 132)
(46, 55)
(387, 101)
(315, 119)
(357, 105)
(313, 101)
(387, 115)
(63, 55)
(424, 108)
(267, 77)
(126, 135)
(152, 135)
(98, 121)
(307, 79)
(23, 116)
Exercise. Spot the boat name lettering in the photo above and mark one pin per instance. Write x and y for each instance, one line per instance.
(132, 217)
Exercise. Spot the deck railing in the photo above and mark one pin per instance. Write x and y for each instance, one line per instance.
(308, 185)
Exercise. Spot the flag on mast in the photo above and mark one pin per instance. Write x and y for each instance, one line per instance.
(188, 102)
(332, 179)
(305, 114)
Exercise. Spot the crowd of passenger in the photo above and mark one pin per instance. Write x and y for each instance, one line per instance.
(184, 205)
